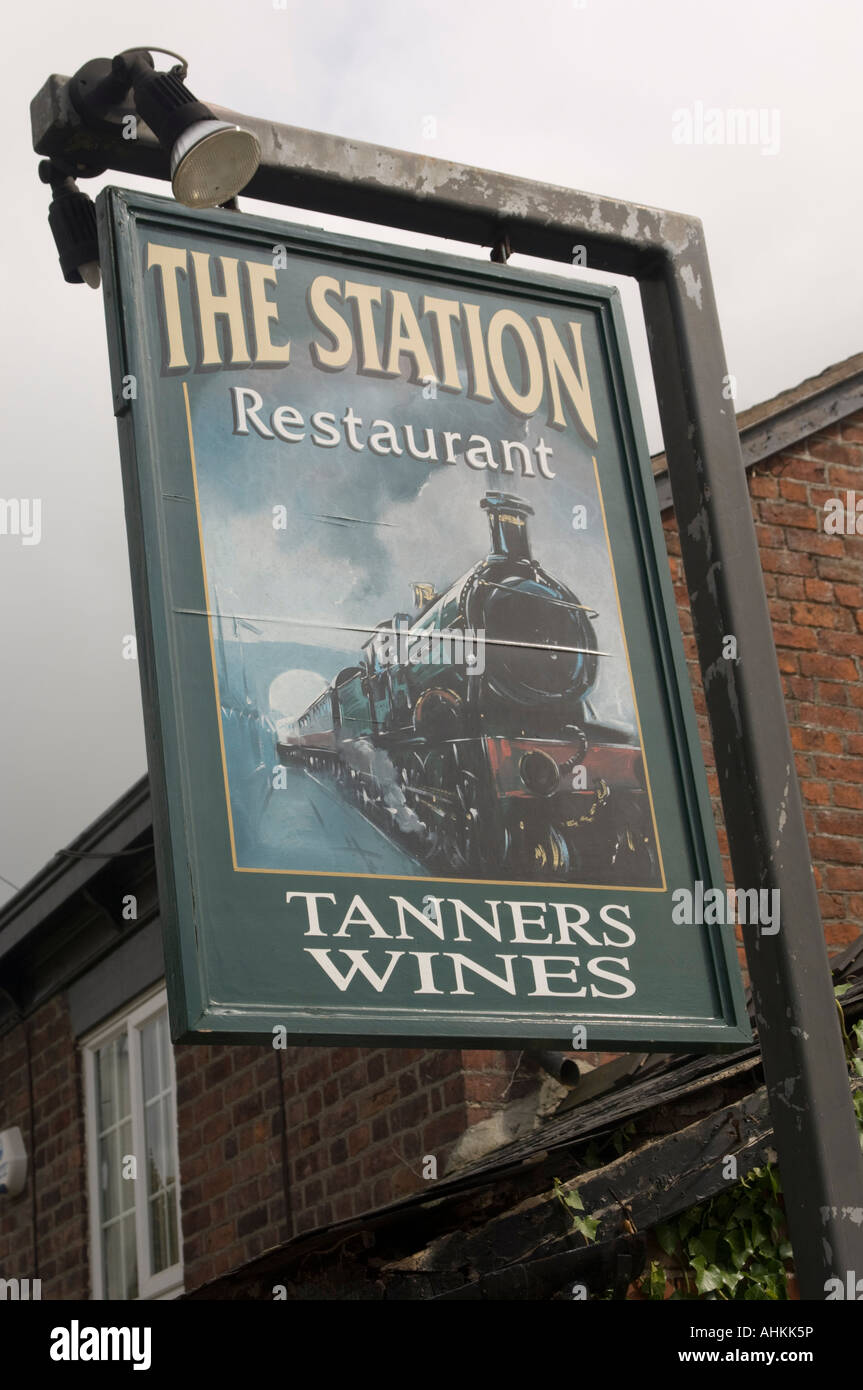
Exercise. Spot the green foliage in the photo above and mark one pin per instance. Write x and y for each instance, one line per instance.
(597, 1152)
(653, 1283)
(853, 1048)
(733, 1246)
(571, 1199)
(621, 1138)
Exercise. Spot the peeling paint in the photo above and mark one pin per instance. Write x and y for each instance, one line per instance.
(630, 226)
(691, 283)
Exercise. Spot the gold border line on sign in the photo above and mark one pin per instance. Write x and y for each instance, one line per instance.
(629, 669)
(410, 878)
(209, 624)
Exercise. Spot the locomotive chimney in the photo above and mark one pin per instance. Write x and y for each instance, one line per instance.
(507, 518)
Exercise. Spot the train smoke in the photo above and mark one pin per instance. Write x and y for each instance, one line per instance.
(362, 755)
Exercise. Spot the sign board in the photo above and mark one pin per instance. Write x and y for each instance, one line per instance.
(423, 755)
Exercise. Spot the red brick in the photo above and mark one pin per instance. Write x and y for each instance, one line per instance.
(828, 449)
(845, 476)
(848, 795)
(787, 562)
(840, 823)
(849, 595)
(840, 769)
(844, 876)
(805, 469)
(829, 716)
(792, 490)
(800, 638)
(834, 849)
(770, 537)
(789, 514)
(843, 571)
(831, 693)
(835, 668)
(816, 792)
(791, 586)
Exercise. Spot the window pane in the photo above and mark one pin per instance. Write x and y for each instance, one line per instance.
(152, 1194)
(158, 1232)
(107, 1087)
(161, 1185)
(155, 1133)
(120, 1259)
(173, 1234)
(163, 1229)
(169, 1129)
(121, 1055)
(110, 1177)
(164, 1048)
(150, 1059)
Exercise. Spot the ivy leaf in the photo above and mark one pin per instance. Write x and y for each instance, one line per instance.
(571, 1199)
(738, 1245)
(653, 1283)
(707, 1277)
(705, 1244)
(685, 1224)
(839, 990)
(587, 1225)
(620, 1137)
(667, 1237)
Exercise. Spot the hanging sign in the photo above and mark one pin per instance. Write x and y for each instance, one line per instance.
(422, 749)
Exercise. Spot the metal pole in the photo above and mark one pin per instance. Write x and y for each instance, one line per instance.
(807, 1080)
(798, 1029)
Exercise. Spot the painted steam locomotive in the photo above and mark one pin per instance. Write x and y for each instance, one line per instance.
(491, 767)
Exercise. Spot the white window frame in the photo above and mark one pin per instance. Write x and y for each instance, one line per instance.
(168, 1283)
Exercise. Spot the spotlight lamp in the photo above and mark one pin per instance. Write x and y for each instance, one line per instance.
(211, 161)
(72, 219)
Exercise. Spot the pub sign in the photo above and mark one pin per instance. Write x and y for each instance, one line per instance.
(423, 756)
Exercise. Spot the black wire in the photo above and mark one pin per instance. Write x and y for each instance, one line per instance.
(286, 1163)
(102, 854)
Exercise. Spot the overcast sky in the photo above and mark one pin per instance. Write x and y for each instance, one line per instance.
(578, 94)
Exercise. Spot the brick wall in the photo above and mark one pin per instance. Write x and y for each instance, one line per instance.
(273, 1142)
(814, 584)
(359, 1123)
(55, 1153)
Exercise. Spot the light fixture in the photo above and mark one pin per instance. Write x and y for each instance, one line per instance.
(13, 1162)
(72, 219)
(211, 161)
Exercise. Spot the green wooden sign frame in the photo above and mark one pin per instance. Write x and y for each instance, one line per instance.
(239, 954)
